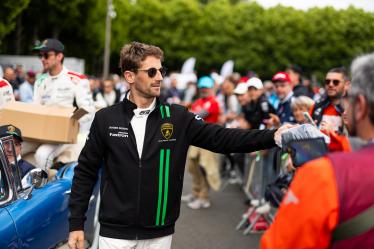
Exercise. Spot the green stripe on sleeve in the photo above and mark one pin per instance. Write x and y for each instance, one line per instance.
(162, 111)
(167, 111)
(160, 175)
(166, 188)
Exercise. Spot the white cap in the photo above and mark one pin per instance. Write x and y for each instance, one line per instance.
(255, 82)
(217, 78)
(241, 88)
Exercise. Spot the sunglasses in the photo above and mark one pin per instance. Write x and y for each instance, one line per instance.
(153, 71)
(45, 55)
(335, 82)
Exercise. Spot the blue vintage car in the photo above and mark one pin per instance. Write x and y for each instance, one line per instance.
(36, 216)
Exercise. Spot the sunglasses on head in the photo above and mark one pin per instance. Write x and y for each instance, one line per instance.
(153, 71)
(45, 55)
(335, 82)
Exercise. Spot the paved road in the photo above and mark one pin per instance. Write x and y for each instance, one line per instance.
(212, 228)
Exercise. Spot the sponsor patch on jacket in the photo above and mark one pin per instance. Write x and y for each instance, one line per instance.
(117, 131)
(64, 89)
(291, 198)
(146, 112)
(197, 117)
(167, 130)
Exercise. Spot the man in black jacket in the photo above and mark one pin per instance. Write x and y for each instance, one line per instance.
(259, 107)
(142, 145)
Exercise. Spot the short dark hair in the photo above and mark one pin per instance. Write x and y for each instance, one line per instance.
(295, 68)
(340, 70)
(63, 56)
(134, 53)
(8, 67)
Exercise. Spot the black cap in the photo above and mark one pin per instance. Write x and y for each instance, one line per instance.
(7, 130)
(50, 45)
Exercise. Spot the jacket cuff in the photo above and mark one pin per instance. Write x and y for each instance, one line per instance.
(271, 140)
(76, 224)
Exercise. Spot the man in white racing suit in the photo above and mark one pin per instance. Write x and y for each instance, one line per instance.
(6, 92)
(59, 87)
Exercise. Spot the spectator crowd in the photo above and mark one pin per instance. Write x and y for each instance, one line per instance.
(237, 101)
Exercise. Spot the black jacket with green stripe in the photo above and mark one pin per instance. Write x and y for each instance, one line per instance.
(141, 195)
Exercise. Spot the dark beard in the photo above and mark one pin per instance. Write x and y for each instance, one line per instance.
(336, 97)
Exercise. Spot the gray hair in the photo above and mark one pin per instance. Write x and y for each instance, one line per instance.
(362, 70)
(302, 101)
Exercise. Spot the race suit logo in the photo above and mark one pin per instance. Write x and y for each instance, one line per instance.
(167, 130)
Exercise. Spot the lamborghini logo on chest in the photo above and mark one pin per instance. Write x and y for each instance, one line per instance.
(167, 130)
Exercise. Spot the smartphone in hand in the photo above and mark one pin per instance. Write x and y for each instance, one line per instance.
(308, 118)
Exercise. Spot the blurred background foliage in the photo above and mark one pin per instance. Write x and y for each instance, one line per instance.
(257, 39)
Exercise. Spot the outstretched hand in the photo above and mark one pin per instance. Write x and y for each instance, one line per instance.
(280, 131)
(76, 240)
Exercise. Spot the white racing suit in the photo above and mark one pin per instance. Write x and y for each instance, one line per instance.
(62, 90)
(6, 92)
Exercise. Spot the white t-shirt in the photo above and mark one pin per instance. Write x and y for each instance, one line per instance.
(138, 123)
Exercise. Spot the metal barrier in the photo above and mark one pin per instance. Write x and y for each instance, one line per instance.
(261, 169)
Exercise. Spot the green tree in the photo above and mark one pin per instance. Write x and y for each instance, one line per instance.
(9, 11)
(264, 40)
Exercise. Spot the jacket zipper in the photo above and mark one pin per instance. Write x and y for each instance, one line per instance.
(138, 205)
(139, 180)
(140, 171)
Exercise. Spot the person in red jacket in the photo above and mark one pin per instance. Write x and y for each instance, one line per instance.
(6, 92)
(329, 111)
(201, 163)
(331, 190)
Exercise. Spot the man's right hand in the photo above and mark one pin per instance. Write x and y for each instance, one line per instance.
(76, 240)
(280, 131)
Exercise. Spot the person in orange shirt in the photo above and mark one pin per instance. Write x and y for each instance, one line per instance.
(331, 190)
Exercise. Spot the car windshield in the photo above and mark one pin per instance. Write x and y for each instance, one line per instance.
(3, 182)
(11, 159)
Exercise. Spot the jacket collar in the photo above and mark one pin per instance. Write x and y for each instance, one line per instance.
(325, 102)
(64, 71)
(287, 98)
(130, 106)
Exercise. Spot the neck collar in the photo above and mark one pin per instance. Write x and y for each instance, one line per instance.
(63, 71)
(287, 98)
(131, 105)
